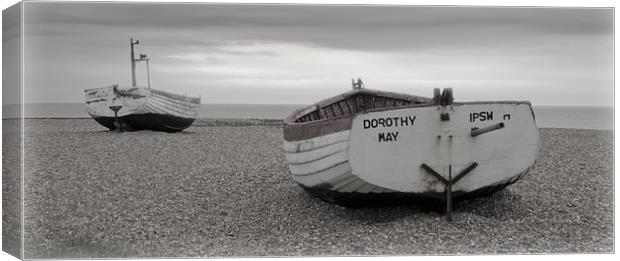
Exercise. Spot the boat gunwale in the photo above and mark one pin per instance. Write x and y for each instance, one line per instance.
(305, 110)
(291, 119)
(188, 98)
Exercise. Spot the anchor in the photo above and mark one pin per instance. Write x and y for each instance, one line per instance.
(448, 183)
(115, 109)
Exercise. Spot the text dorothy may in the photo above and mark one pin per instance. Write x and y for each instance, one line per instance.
(388, 122)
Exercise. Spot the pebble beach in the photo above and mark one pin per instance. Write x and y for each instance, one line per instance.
(222, 188)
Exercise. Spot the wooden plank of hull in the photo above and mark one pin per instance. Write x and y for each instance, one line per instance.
(352, 186)
(313, 155)
(316, 143)
(317, 128)
(329, 176)
(172, 96)
(395, 164)
(337, 179)
(180, 108)
(320, 164)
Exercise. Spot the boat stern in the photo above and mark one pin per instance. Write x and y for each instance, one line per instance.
(416, 150)
(102, 102)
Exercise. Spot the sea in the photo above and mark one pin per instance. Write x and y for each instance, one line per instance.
(594, 118)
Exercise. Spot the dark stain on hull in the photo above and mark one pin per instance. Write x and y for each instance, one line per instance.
(147, 121)
(429, 200)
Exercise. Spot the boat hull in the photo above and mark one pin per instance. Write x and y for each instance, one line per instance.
(147, 121)
(376, 156)
(386, 198)
(141, 108)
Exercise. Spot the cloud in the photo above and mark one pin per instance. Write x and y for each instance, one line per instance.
(330, 26)
(227, 53)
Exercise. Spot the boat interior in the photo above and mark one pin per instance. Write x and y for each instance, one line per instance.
(357, 100)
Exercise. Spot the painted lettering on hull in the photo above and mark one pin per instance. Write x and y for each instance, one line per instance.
(388, 136)
(481, 116)
(389, 122)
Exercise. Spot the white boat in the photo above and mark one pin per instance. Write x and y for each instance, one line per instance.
(139, 108)
(366, 146)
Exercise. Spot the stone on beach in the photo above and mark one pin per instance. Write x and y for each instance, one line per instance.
(222, 188)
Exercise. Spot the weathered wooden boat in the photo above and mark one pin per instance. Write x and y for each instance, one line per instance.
(139, 108)
(366, 146)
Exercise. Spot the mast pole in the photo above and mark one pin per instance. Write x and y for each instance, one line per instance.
(148, 75)
(133, 62)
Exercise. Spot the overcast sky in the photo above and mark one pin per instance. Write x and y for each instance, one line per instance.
(293, 54)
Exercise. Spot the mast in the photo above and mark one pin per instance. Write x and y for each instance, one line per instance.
(133, 62)
(148, 75)
(143, 57)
